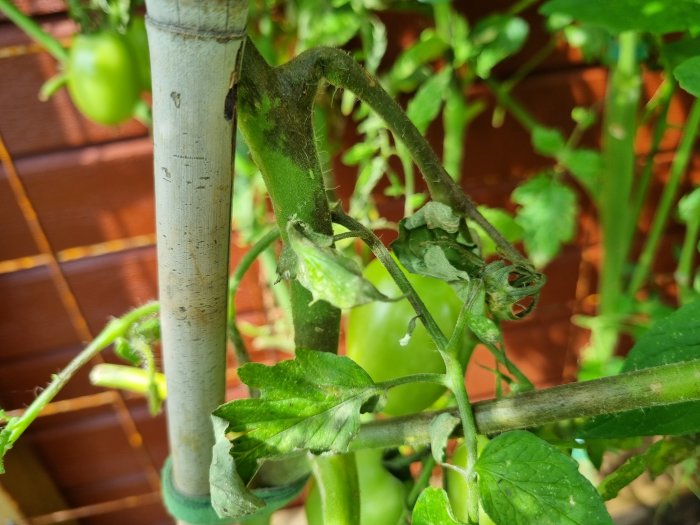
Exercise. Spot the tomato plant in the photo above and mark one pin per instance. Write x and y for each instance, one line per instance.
(376, 332)
(322, 404)
(102, 79)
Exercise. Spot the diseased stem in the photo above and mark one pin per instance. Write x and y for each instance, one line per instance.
(454, 370)
(678, 168)
(663, 385)
(275, 118)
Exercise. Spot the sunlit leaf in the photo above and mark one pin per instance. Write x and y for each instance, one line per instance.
(312, 403)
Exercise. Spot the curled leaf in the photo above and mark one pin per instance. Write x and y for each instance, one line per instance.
(327, 274)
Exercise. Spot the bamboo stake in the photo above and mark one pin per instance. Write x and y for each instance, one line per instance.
(194, 54)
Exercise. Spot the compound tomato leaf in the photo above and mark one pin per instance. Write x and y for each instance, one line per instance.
(673, 339)
(523, 480)
(653, 16)
(433, 508)
(311, 403)
(547, 216)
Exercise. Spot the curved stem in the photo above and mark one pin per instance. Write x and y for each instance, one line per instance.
(339, 69)
(114, 329)
(34, 31)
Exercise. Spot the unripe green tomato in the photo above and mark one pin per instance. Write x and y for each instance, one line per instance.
(102, 79)
(457, 485)
(381, 494)
(137, 39)
(374, 331)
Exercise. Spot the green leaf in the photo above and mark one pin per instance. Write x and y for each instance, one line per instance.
(425, 106)
(677, 51)
(441, 428)
(523, 480)
(674, 339)
(585, 166)
(433, 508)
(495, 38)
(688, 75)
(327, 274)
(229, 495)
(548, 141)
(689, 206)
(652, 16)
(311, 403)
(427, 49)
(332, 27)
(547, 216)
(358, 153)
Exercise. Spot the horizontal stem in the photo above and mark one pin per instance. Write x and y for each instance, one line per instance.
(663, 385)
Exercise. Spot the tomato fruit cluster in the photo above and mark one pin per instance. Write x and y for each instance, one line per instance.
(375, 330)
(107, 71)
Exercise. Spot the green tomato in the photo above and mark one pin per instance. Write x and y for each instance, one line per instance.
(102, 79)
(137, 39)
(374, 332)
(457, 485)
(381, 494)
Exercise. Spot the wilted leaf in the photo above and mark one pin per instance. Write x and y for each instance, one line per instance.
(523, 480)
(435, 242)
(312, 403)
(327, 274)
(441, 428)
(229, 495)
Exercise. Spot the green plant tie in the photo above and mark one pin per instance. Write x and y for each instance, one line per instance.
(199, 511)
(194, 510)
